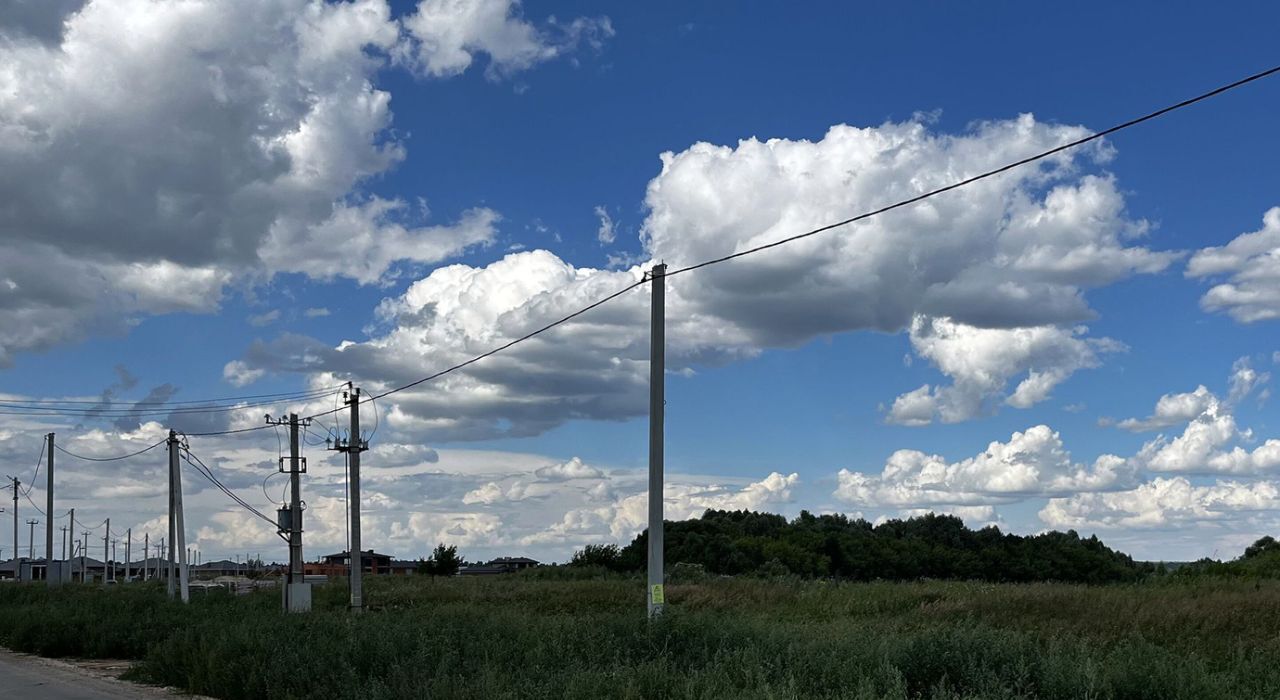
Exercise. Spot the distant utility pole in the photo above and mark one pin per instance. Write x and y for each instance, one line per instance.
(353, 446)
(657, 401)
(106, 553)
(64, 542)
(297, 595)
(17, 567)
(146, 555)
(31, 540)
(51, 578)
(84, 573)
(128, 554)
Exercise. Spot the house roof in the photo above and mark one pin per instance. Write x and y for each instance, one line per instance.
(514, 560)
(221, 564)
(363, 553)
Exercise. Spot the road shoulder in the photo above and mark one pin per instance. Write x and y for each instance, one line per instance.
(39, 678)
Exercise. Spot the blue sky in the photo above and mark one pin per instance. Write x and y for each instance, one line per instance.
(547, 139)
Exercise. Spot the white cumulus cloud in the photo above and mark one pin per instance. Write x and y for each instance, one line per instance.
(1032, 463)
(446, 36)
(982, 361)
(1250, 265)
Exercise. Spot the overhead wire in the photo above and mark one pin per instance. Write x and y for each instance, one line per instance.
(27, 495)
(204, 470)
(39, 461)
(22, 408)
(982, 176)
(527, 336)
(281, 395)
(67, 452)
(374, 404)
(860, 217)
(756, 249)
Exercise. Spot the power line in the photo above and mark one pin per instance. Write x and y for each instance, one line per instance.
(500, 348)
(990, 173)
(236, 431)
(715, 261)
(39, 460)
(27, 494)
(860, 217)
(204, 471)
(27, 408)
(63, 450)
(225, 399)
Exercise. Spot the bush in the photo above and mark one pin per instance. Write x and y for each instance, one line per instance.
(604, 556)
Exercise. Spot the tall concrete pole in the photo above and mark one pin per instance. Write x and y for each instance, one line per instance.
(657, 400)
(50, 579)
(173, 469)
(17, 568)
(184, 589)
(295, 503)
(355, 558)
(84, 550)
(146, 556)
(64, 542)
(128, 555)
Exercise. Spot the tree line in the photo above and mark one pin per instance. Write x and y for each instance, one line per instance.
(834, 546)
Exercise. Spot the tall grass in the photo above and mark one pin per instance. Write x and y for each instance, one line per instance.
(530, 637)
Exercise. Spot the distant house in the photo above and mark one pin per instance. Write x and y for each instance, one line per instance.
(337, 564)
(404, 567)
(35, 569)
(501, 565)
(214, 569)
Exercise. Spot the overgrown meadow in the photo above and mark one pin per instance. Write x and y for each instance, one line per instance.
(554, 635)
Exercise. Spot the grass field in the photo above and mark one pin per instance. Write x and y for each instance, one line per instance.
(535, 637)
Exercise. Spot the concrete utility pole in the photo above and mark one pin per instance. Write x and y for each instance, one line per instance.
(84, 573)
(146, 556)
(297, 594)
(51, 577)
(128, 554)
(64, 542)
(17, 564)
(177, 526)
(295, 503)
(657, 401)
(353, 446)
(173, 468)
(106, 552)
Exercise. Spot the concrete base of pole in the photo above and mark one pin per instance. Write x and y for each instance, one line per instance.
(297, 597)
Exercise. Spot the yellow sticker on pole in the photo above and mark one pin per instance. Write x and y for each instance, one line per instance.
(655, 595)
